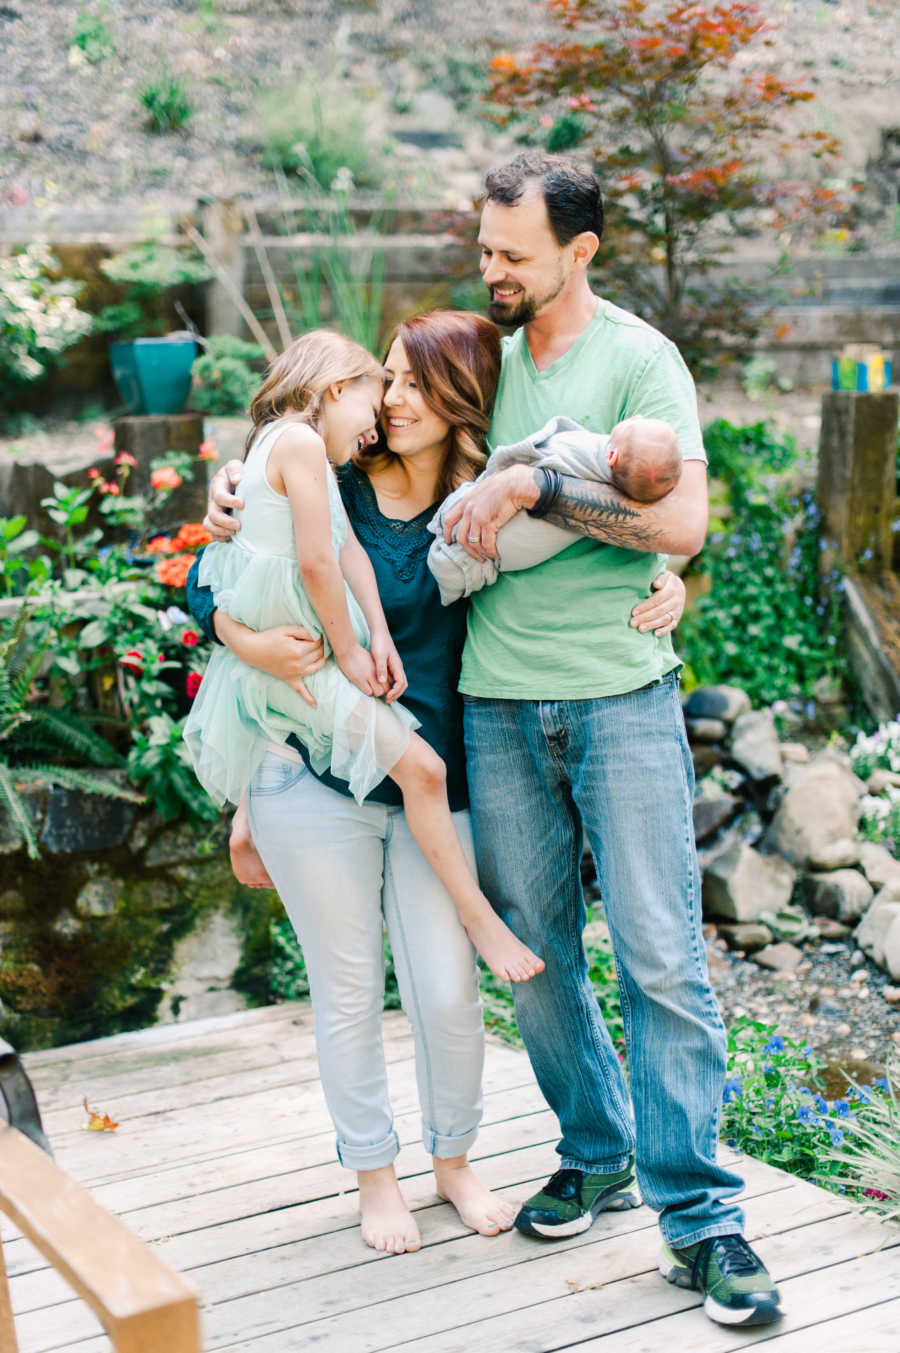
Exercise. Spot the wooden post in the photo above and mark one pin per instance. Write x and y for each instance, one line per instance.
(223, 228)
(8, 1341)
(150, 438)
(857, 479)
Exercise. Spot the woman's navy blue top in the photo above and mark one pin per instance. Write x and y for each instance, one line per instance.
(429, 636)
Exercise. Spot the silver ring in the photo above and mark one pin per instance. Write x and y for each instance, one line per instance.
(473, 540)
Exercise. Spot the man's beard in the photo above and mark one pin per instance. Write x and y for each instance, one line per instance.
(526, 306)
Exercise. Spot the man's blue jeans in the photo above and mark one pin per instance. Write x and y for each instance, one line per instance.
(619, 770)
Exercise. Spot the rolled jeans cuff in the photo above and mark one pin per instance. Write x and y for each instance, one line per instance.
(724, 1228)
(446, 1148)
(607, 1167)
(373, 1157)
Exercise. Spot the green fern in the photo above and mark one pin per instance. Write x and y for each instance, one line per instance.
(26, 731)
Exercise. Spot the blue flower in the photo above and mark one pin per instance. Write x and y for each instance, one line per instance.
(731, 1090)
(808, 1050)
(770, 1103)
(804, 1113)
(882, 1082)
(768, 1067)
(836, 1136)
(820, 1103)
(775, 1044)
(841, 1108)
(865, 1094)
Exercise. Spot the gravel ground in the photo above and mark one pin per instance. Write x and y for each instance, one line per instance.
(73, 132)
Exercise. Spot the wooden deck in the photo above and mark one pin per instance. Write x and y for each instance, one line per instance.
(224, 1161)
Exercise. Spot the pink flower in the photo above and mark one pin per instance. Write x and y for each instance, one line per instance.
(124, 458)
(192, 684)
(208, 450)
(133, 660)
(105, 438)
(112, 489)
(166, 478)
(545, 120)
(189, 638)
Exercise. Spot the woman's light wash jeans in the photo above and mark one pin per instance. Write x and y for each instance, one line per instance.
(340, 867)
(619, 769)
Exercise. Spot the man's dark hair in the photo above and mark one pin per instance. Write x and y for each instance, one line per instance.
(571, 192)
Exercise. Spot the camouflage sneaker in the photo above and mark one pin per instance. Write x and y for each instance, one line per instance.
(738, 1288)
(571, 1199)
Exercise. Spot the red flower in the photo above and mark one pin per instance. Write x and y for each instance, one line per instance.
(208, 450)
(124, 458)
(166, 478)
(190, 638)
(133, 660)
(192, 684)
(173, 572)
(160, 545)
(93, 473)
(191, 536)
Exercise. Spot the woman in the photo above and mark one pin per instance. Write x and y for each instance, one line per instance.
(341, 867)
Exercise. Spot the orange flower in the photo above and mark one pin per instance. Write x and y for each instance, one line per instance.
(173, 572)
(160, 545)
(191, 537)
(166, 478)
(503, 63)
(208, 450)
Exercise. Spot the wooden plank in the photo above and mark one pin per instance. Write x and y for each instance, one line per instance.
(872, 1330)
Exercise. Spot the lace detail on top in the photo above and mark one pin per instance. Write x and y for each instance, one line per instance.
(404, 544)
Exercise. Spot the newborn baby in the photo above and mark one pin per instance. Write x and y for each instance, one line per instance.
(640, 457)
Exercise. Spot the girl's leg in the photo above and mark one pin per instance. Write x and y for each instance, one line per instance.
(325, 855)
(421, 776)
(438, 980)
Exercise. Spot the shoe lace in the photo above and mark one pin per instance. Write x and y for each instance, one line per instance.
(733, 1254)
(563, 1184)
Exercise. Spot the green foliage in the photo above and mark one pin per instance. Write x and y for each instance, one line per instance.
(93, 35)
(38, 316)
(869, 1163)
(17, 571)
(566, 131)
(224, 381)
(167, 101)
(773, 1108)
(319, 128)
(159, 761)
(148, 274)
(686, 126)
(27, 730)
(769, 624)
(879, 813)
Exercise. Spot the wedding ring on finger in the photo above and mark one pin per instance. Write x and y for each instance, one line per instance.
(473, 540)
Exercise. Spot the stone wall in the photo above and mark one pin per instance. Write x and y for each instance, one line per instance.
(123, 921)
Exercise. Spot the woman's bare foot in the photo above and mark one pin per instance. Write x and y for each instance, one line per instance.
(386, 1222)
(457, 1183)
(507, 957)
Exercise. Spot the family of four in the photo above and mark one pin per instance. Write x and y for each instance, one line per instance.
(369, 790)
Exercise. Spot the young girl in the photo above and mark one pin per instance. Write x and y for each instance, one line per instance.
(296, 561)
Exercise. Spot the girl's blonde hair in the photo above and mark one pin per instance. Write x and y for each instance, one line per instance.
(297, 381)
(454, 356)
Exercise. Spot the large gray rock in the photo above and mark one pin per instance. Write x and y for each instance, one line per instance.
(711, 813)
(706, 730)
(878, 864)
(872, 932)
(837, 855)
(754, 745)
(740, 883)
(779, 957)
(78, 821)
(820, 807)
(746, 935)
(717, 702)
(891, 956)
(844, 894)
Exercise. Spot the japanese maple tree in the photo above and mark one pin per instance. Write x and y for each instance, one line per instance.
(693, 144)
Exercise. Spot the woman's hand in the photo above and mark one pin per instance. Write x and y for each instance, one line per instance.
(662, 612)
(221, 502)
(388, 665)
(288, 652)
(246, 863)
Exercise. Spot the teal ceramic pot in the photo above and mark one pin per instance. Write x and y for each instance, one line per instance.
(153, 375)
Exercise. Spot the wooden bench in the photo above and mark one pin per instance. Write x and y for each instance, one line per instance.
(144, 1306)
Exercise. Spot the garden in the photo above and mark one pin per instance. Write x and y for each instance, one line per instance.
(323, 210)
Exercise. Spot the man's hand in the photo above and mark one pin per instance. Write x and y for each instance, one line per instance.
(290, 653)
(246, 864)
(222, 502)
(662, 612)
(476, 518)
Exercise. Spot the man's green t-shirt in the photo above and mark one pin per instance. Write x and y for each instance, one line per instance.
(560, 631)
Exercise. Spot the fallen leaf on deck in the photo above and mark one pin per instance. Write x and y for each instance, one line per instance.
(98, 1122)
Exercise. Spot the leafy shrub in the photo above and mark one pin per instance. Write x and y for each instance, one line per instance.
(167, 102)
(773, 1108)
(148, 273)
(38, 316)
(319, 128)
(869, 1164)
(769, 624)
(224, 382)
(93, 35)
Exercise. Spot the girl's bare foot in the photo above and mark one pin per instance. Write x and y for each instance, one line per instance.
(457, 1183)
(386, 1222)
(507, 957)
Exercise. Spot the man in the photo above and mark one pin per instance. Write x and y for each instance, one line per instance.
(573, 725)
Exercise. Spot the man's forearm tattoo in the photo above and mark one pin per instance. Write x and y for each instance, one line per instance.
(598, 512)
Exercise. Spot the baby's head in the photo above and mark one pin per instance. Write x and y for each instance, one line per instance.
(644, 458)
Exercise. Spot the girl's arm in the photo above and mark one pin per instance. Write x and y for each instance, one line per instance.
(360, 576)
(297, 466)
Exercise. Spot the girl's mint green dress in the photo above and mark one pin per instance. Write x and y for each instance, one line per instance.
(255, 578)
